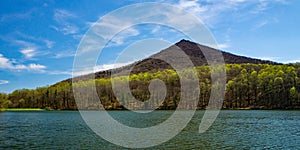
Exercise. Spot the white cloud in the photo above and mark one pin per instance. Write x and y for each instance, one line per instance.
(192, 6)
(220, 46)
(78, 36)
(223, 45)
(269, 58)
(66, 29)
(49, 43)
(64, 54)
(46, 42)
(99, 68)
(156, 29)
(279, 59)
(237, 1)
(291, 61)
(4, 82)
(215, 11)
(262, 5)
(210, 12)
(37, 67)
(264, 23)
(16, 16)
(110, 66)
(24, 43)
(114, 29)
(6, 63)
(28, 49)
(62, 17)
(56, 72)
(260, 24)
(29, 53)
(121, 38)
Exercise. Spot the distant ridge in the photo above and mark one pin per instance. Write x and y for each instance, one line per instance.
(192, 50)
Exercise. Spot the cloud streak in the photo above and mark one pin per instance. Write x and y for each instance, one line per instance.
(109, 26)
(280, 60)
(49, 44)
(86, 71)
(215, 11)
(4, 82)
(6, 63)
(99, 68)
(29, 47)
(63, 17)
(16, 16)
(64, 54)
(29, 53)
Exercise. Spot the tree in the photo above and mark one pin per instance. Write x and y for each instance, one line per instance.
(248, 85)
(4, 102)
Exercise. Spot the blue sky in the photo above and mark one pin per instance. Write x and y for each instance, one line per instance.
(38, 39)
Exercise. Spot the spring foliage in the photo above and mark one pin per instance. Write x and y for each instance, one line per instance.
(253, 86)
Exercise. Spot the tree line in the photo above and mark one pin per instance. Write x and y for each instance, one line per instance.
(251, 86)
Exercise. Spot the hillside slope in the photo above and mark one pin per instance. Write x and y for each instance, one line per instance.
(191, 49)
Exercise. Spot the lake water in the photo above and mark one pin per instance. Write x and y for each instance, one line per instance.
(232, 130)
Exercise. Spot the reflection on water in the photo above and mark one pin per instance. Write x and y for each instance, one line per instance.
(232, 130)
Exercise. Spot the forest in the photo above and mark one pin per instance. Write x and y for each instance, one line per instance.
(248, 86)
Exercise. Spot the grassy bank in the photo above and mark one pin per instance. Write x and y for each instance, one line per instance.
(23, 109)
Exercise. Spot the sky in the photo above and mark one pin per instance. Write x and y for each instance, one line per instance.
(39, 39)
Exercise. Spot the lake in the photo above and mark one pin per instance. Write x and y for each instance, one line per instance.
(233, 129)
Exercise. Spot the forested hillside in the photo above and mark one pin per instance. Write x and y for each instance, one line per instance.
(253, 86)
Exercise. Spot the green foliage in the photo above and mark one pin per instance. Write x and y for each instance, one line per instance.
(4, 102)
(24, 109)
(248, 86)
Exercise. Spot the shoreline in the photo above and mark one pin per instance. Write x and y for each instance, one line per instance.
(40, 109)
(23, 109)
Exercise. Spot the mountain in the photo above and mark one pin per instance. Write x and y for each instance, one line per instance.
(193, 50)
(251, 84)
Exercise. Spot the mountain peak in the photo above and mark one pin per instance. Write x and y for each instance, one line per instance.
(194, 51)
(185, 42)
(191, 49)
